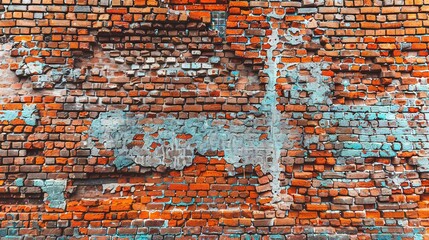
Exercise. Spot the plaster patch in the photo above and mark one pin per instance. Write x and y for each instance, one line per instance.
(293, 36)
(112, 187)
(28, 114)
(175, 142)
(54, 190)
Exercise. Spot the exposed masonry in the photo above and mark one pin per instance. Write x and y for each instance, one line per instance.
(173, 142)
(307, 120)
(44, 75)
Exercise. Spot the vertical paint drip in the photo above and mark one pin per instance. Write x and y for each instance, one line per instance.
(269, 106)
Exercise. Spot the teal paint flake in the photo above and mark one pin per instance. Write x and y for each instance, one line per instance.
(28, 114)
(55, 191)
(353, 145)
(143, 237)
(19, 182)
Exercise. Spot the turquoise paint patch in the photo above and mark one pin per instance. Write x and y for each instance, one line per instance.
(214, 59)
(277, 236)
(235, 73)
(8, 115)
(143, 237)
(122, 161)
(387, 151)
(353, 145)
(366, 154)
(54, 190)
(234, 235)
(28, 114)
(351, 153)
(19, 182)
(162, 144)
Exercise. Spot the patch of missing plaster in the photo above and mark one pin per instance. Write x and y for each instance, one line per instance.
(28, 114)
(29, 69)
(54, 191)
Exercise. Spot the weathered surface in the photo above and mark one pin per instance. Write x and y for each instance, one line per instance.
(137, 119)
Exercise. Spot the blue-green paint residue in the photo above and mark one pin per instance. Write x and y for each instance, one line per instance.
(252, 237)
(28, 114)
(163, 140)
(257, 140)
(174, 142)
(143, 237)
(383, 233)
(19, 182)
(54, 190)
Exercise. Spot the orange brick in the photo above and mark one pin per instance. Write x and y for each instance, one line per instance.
(199, 186)
(94, 216)
(307, 215)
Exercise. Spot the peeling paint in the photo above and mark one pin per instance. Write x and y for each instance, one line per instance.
(175, 142)
(111, 187)
(54, 190)
(44, 75)
(28, 114)
(269, 104)
(19, 182)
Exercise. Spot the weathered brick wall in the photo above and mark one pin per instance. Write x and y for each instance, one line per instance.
(136, 119)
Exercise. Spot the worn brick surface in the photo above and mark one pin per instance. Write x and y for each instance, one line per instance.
(137, 119)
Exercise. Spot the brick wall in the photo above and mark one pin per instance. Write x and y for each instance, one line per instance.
(137, 119)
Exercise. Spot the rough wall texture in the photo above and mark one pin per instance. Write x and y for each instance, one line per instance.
(137, 119)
